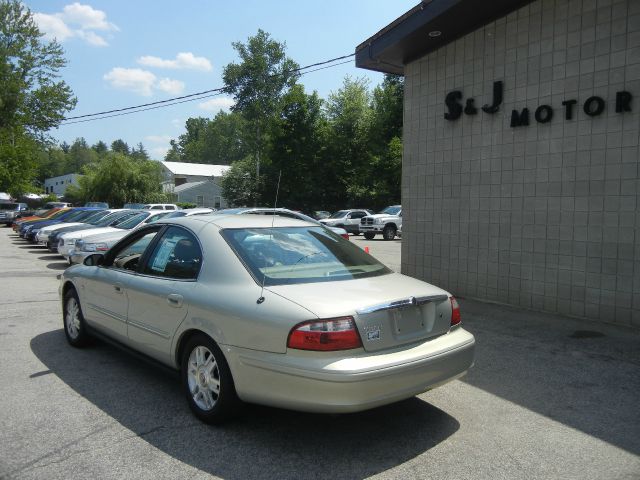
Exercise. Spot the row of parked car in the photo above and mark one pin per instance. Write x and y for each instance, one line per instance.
(388, 222)
(252, 305)
(77, 232)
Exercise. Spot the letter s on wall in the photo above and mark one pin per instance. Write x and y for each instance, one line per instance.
(455, 108)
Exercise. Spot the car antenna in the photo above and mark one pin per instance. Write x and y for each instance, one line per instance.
(273, 218)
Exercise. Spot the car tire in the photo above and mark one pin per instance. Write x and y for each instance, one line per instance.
(369, 235)
(389, 232)
(207, 381)
(75, 327)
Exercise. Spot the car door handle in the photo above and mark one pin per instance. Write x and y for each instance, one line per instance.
(118, 288)
(174, 300)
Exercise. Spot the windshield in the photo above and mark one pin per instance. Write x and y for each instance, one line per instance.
(78, 216)
(109, 218)
(96, 216)
(157, 217)
(176, 214)
(133, 221)
(391, 210)
(286, 255)
(339, 214)
(8, 206)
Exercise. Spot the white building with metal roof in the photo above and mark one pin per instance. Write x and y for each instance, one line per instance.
(180, 173)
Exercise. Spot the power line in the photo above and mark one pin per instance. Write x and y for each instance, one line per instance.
(198, 95)
(151, 107)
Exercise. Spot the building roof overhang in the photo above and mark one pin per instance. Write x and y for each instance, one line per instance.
(427, 27)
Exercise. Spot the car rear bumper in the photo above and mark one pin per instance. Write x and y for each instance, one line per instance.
(317, 382)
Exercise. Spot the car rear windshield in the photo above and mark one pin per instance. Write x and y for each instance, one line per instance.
(288, 255)
(339, 214)
(8, 206)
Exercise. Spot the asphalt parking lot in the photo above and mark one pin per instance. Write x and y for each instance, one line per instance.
(549, 398)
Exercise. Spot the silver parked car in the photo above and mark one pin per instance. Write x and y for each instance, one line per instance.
(269, 310)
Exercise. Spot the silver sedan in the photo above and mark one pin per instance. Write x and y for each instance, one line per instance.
(269, 310)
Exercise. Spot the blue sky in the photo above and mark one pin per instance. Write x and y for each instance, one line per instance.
(127, 53)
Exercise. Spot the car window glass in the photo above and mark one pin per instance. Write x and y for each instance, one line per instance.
(357, 214)
(289, 255)
(128, 257)
(176, 255)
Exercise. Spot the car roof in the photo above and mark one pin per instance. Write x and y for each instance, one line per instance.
(237, 221)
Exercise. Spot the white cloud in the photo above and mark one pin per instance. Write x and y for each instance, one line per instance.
(218, 103)
(53, 27)
(92, 38)
(142, 82)
(75, 21)
(175, 87)
(178, 122)
(158, 138)
(86, 17)
(184, 60)
(133, 79)
(159, 152)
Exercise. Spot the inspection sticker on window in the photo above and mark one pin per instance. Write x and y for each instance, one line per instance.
(162, 257)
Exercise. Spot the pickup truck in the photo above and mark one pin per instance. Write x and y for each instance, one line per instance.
(10, 212)
(387, 222)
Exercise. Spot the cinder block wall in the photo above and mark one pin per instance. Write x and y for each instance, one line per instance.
(543, 216)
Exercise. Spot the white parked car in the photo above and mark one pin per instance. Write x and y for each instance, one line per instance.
(347, 219)
(268, 310)
(161, 206)
(103, 241)
(42, 237)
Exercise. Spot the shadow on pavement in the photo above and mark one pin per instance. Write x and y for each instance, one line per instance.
(57, 265)
(264, 442)
(582, 374)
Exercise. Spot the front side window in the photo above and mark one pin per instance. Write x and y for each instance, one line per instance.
(287, 255)
(128, 257)
(176, 255)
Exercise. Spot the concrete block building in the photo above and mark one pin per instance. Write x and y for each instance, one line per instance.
(520, 179)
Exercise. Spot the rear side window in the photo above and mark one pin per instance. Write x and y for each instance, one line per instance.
(176, 255)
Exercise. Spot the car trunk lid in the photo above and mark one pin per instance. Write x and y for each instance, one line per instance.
(389, 310)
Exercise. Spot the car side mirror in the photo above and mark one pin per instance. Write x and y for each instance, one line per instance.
(94, 260)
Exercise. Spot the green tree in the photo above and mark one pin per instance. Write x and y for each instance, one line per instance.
(139, 153)
(32, 98)
(257, 83)
(120, 146)
(349, 116)
(297, 150)
(239, 183)
(120, 179)
(387, 105)
(80, 154)
(100, 147)
(173, 154)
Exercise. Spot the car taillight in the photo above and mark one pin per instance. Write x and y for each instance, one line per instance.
(345, 236)
(325, 335)
(456, 318)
